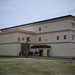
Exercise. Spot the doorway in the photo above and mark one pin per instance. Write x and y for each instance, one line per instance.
(40, 52)
(47, 53)
(25, 48)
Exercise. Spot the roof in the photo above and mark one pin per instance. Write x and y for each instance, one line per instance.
(40, 46)
(53, 19)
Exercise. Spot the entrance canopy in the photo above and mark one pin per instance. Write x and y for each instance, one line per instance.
(40, 46)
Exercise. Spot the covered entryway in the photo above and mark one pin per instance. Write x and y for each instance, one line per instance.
(23, 48)
(43, 50)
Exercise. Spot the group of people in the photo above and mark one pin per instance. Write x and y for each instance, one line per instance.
(29, 53)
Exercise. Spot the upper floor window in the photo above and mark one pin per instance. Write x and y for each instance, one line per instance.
(18, 38)
(72, 37)
(46, 39)
(64, 36)
(39, 39)
(39, 28)
(57, 37)
(73, 25)
(22, 39)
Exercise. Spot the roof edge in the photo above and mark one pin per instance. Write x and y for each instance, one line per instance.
(40, 21)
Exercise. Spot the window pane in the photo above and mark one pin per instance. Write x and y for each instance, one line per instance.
(18, 38)
(46, 39)
(22, 39)
(39, 28)
(72, 37)
(73, 25)
(46, 26)
(39, 39)
(57, 37)
(64, 36)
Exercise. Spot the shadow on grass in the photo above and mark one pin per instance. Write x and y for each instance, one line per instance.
(12, 57)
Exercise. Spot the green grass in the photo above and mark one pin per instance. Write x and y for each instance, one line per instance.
(33, 66)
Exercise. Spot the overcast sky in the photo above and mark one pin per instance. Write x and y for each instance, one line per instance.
(17, 12)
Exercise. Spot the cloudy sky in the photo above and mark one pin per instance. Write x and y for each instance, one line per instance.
(17, 12)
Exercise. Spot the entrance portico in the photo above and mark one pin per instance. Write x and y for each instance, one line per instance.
(41, 50)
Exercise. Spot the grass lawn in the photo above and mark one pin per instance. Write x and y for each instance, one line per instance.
(33, 66)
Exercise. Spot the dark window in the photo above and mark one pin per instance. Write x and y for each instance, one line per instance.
(39, 39)
(46, 39)
(73, 25)
(39, 28)
(72, 37)
(18, 38)
(57, 37)
(64, 36)
(46, 26)
(22, 39)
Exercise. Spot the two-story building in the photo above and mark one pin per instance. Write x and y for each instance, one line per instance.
(53, 37)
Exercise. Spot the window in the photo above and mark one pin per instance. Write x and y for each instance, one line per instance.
(18, 38)
(73, 25)
(64, 36)
(57, 37)
(39, 39)
(46, 39)
(72, 37)
(46, 26)
(39, 28)
(22, 39)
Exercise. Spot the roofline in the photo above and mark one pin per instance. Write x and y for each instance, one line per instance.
(33, 33)
(66, 16)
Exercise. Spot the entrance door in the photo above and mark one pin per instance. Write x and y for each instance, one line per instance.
(40, 52)
(48, 53)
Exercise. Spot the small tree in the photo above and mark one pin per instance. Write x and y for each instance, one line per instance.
(20, 53)
(28, 39)
(27, 45)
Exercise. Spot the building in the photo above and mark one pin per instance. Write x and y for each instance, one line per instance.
(53, 37)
